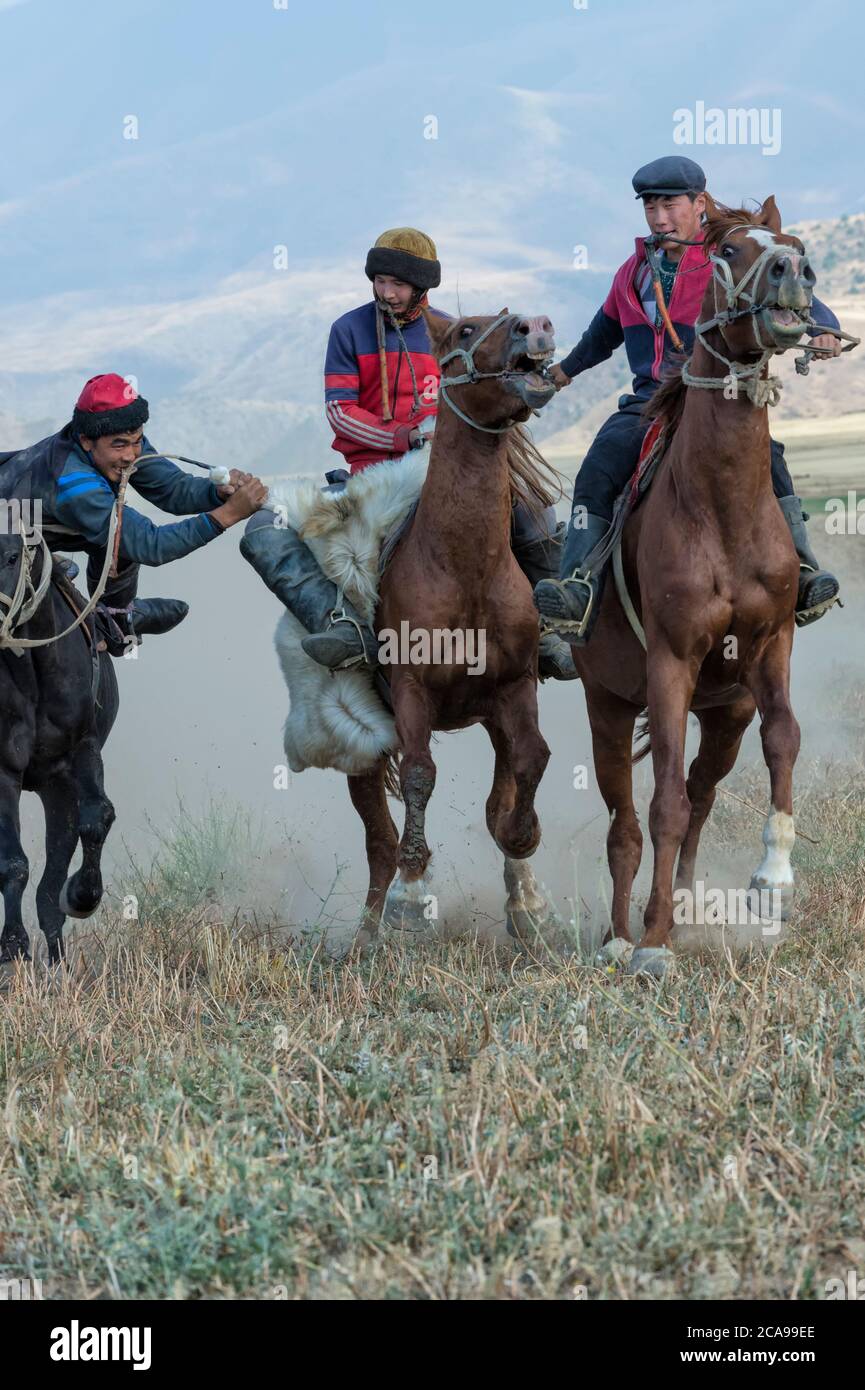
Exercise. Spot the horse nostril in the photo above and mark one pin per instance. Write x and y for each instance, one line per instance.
(779, 267)
(524, 327)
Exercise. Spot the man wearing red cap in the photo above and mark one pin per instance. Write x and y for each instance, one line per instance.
(76, 474)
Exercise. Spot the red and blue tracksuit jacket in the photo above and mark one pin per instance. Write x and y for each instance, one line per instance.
(352, 386)
(622, 319)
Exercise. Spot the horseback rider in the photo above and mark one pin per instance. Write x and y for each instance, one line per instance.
(76, 474)
(381, 386)
(652, 307)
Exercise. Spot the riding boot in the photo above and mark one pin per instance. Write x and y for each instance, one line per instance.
(338, 635)
(539, 559)
(569, 605)
(122, 618)
(818, 589)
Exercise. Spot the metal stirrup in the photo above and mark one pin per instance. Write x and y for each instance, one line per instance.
(339, 615)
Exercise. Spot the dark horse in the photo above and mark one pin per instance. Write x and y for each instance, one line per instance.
(52, 730)
(454, 572)
(711, 569)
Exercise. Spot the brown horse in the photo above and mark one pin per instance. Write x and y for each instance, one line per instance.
(711, 568)
(453, 573)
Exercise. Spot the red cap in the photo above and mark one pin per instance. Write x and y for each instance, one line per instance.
(109, 405)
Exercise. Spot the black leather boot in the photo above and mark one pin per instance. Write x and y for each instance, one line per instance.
(338, 635)
(818, 589)
(569, 605)
(539, 559)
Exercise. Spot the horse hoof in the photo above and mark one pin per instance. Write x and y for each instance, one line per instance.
(532, 927)
(616, 951)
(410, 907)
(66, 907)
(13, 951)
(363, 943)
(775, 900)
(656, 961)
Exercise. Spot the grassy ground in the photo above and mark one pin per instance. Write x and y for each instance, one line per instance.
(194, 1110)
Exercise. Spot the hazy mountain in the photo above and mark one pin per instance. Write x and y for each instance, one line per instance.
(236, 375)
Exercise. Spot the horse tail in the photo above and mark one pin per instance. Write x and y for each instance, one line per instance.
(533, 480)
(642, 740)
(391, 776)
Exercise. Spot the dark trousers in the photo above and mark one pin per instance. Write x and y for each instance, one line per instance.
(119, 592)
(609, 465)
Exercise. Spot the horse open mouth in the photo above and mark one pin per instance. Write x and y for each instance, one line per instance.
(526, 376)
(785, 325)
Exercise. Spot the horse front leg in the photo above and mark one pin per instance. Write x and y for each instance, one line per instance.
(518, 740)
(14, 871)
(81, 894)
(409, 904)
(59, 798)
(721, 731)
(368, 792)
(527, 911)
(612, 724)
(670, 687)
(769, 682)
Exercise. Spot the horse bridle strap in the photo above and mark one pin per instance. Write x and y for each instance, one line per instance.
(760, 390)
(18, 611)
(471, 375)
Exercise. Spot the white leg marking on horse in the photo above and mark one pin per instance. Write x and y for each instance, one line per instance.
(779, 836)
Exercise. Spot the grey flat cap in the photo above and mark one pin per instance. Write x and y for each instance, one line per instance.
(670, 175)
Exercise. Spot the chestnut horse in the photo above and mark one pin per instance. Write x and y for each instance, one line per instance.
(710, 566)
(454, 572)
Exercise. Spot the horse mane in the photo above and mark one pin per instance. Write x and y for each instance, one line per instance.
(668, 401)
(533, 480)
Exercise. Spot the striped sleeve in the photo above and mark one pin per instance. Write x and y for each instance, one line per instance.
(341, 389)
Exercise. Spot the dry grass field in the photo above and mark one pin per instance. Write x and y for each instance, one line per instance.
(207, 1105)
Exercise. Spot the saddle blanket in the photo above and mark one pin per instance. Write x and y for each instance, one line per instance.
(337, 719)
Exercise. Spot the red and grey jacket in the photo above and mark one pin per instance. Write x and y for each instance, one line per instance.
(622, 319)
(352, 386)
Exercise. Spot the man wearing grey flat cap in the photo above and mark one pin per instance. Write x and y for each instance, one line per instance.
(652, 308)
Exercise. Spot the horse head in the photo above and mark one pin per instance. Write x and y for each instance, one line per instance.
(493, 369)
(759, 297)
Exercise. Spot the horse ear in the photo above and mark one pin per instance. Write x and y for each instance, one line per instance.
(502, 312)
(770, 216)
(437, 326)
(711, 206)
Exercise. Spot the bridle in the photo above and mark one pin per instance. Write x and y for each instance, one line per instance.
(471, 375)
(760, 390)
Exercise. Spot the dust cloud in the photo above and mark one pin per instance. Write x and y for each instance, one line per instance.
(201, 720)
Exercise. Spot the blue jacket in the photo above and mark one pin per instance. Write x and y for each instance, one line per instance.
(74, 494)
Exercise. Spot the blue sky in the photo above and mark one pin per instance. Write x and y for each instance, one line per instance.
(304, 127)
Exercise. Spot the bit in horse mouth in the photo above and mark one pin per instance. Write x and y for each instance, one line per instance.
(784, 321)
(531, 362)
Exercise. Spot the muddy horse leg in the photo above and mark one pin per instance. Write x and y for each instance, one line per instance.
(14, 871)
(82, 893)
(407, 902)
(769, 682)
(612, 723)
(59, 799)
(526, 908)
(520, 743)
(369, 798)
(670, 689)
